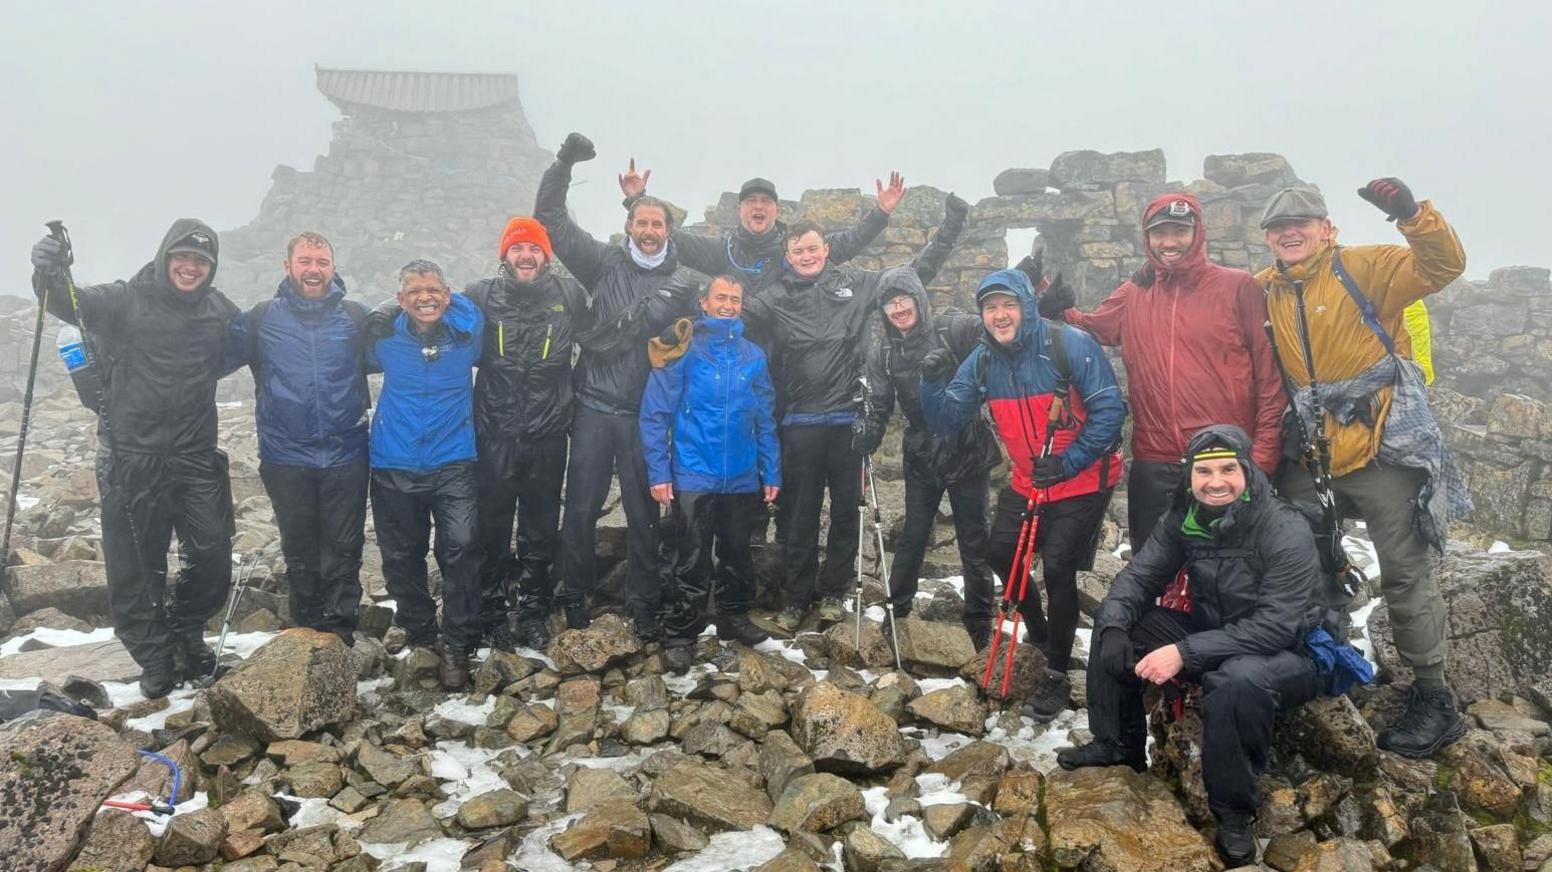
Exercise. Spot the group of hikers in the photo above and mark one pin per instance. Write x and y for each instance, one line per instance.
(770, 384)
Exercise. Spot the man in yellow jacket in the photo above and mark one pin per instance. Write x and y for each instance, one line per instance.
(1388, 462)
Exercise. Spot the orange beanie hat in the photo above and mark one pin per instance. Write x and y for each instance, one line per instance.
(525, 229)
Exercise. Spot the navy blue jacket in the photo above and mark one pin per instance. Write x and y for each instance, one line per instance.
(425, 413)
(713, 411)
(308, 377)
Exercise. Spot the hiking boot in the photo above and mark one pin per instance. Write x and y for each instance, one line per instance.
(1049, 699)
(1429, 723)
(453, 671)
(980, 634)
(499, 638)
(195, 659)
(576, 615)
(533, 633)
(790, 619)
(738, 628)
(678, 659)
(158, 678)
(1236, 840)
(831, 610)
(1100, 753)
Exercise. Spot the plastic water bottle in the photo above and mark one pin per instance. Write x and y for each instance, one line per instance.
(72, 350)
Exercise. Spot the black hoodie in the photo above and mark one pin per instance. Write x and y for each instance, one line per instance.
(1254, 574)
(160, 351)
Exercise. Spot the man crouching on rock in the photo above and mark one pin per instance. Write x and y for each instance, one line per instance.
(423, 463)
(1255, 577)
(708, 430)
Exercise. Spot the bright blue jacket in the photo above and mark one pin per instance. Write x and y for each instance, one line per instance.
(425, 413)
(308, 379)
(708, 419)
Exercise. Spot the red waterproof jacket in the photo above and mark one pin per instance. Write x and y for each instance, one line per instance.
(1193, 340)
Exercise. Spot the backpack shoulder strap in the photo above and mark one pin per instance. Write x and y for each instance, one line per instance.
(255, 321)
(1059, 356)
(1371, 318)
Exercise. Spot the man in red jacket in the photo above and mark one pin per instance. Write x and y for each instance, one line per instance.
(1193, 340)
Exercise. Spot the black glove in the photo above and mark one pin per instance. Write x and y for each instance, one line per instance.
(1392, 196)
(1048, 471)
(939, 365)
(954, 207)
(49, 253)
(1115, 655)
(866, 436)
(1033, 265)
(379, 321)
(1056, 299)
(576, 149)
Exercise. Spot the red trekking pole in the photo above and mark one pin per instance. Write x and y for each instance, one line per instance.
(1018, 573)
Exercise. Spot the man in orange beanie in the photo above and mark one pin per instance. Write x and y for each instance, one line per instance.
(522, 414)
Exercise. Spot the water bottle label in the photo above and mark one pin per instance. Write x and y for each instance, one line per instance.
(74, 356)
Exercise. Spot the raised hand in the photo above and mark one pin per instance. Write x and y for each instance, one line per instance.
(954, 206)
(1392, 196)
(576, 149)
(890, 197)
(1056, 299)
(634, 184)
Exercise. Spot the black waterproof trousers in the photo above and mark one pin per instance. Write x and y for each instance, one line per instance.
(601, 445)
(1150, 489)
(404, 506)
(155, 496)
(1065, 539)
(968, 498)
(1240, 699)
(698, 518)
(322, 518)
(813, 458)
(522, 482)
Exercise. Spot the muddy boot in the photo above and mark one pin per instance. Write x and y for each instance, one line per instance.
(1100, 753)
(738, 628)
(1049, 699)
(453, 671)
(1429, 723)
(158, 677)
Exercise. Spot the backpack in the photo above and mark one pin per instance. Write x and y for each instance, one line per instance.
(355, 310)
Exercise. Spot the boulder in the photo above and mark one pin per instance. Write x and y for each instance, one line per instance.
(78, 588)
(388, 769)
(982, 759)
(588, 787)
(191, 839)
(576, 712)
(1498, 848)
(865, 851)
(1113, 818)
(532, 722)
(1497, 621)
(1439, 835)
(97, 661)
(1337, 855)
(253, 809)
(314, 779)
(1091, 167)
(401, 821)
(500, 669)
(1019, 793)
(934, 648)
(1253, 168)
(957, 709)
(1015, 844)
(780, 761)
(613, 829)
(606, 641)
(674, 836)
(58, 769)
(315, 847)
(645, 727)
(1021, 181)
(118, 842)
(1028, 668)
(817, 803)
(1330, 733)
(417, 671)
(755, 714)
(845, 733)
(716, 799)
(841, 644)
(295, 683)
(497, 808)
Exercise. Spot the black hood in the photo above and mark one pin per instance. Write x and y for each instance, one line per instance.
(1231, 437)
(899, 280)
(180, 230)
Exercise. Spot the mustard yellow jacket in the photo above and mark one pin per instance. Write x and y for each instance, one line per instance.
(1392, 277)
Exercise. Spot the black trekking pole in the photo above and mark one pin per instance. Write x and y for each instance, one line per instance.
(40, 286)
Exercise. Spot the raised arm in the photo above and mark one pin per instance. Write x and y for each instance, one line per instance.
(1398, 276)
(935, 254)
(583, 255)
(949, 407)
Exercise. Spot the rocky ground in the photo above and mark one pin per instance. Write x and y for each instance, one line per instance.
(805, 753)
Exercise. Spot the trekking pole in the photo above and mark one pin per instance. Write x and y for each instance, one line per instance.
(862, 516)
(250, 561)
(40, 285)
(883, 559)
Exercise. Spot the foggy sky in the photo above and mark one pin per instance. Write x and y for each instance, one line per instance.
(121, 117)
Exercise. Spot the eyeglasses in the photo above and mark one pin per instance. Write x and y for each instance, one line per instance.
(899, 304)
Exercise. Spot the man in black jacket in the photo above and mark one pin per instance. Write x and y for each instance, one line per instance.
(1255, 582)
(630, 304)
(817, 314)
(160, 344)
(522, 412)
(959, 465)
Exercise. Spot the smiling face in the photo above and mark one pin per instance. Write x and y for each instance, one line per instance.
(808, 254)
(311, 269)
(1002, 314)
(1295, 239)
(1171, 242)
(424, 296)
(723, 299)
(187, 271)
(526, 262)
(901, 312)
(647, 226)
(1217, 482)
(758, 212)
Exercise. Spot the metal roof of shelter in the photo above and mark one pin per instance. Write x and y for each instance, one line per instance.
(402, 91)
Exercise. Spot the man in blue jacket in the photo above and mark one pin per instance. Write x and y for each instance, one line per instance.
(305, 347)
(423, 464)
(708, 430)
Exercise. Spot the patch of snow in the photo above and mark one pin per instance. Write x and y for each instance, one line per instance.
(1360, 639)
(461, 710)
(788, 650)
(56, 638)
(623, 763)
(534, 854)
(928, 685)
(314, 811)
(681, 685)
(906, 833)
(1035, 743)
(439, 855)
(20, 683)
(875, 613)
(736, 850)
(180, 700)
(156, 823)
(242, 644)
(936, 789)
(1499, 547)
(367, 691)
(467, 769)
(25, 502)
(122, 693)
